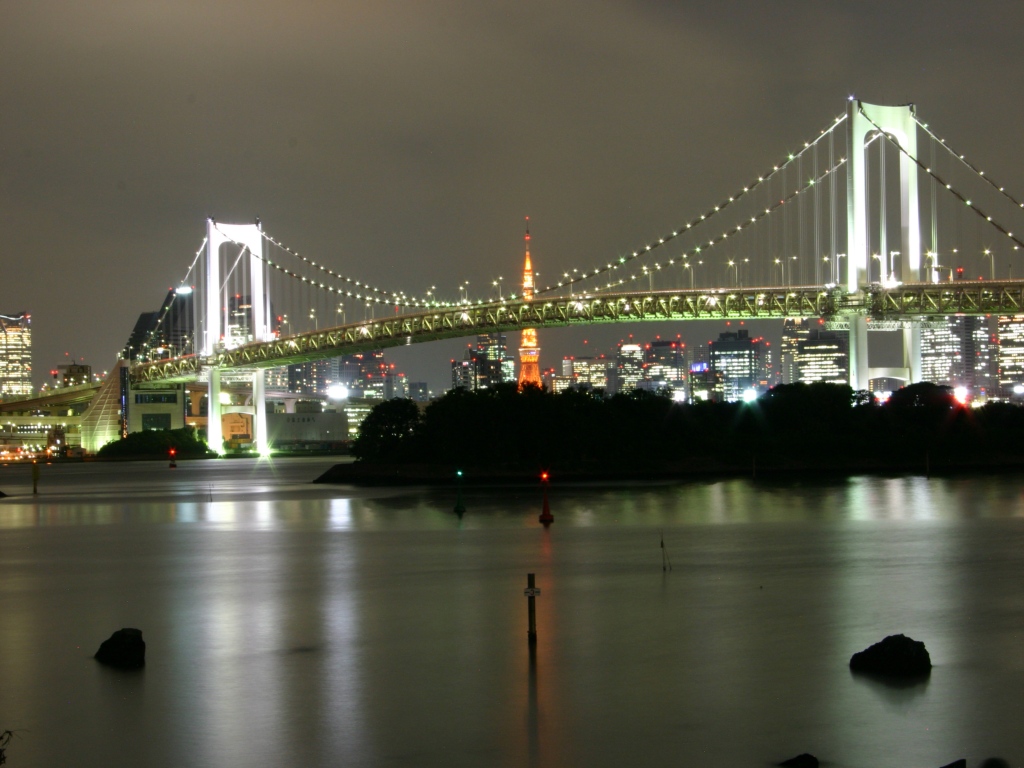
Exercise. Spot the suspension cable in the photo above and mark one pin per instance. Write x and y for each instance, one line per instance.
(947, 185)
(981, 173)
(706, 216)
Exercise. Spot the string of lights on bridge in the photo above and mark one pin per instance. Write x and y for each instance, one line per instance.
(969, 164)
(696, 251)
(697, 221)
(949, 187)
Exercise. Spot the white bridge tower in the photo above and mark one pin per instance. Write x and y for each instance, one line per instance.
(215, 334)
(900, 125)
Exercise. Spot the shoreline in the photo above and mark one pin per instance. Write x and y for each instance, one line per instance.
(359, 474)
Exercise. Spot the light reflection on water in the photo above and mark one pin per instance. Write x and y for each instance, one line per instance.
(300, 625)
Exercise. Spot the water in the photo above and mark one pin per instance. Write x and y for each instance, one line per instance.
(296, 625)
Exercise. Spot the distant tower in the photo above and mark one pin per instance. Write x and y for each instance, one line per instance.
(529, 352)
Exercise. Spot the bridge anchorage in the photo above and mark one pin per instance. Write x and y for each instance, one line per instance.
(258, 305)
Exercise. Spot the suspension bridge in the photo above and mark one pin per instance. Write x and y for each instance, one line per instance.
(874, 223)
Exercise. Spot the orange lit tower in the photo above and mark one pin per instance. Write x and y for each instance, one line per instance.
(529, 352)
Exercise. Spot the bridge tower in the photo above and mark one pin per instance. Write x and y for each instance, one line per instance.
(529, 352)
(215, 335)
(899, 123)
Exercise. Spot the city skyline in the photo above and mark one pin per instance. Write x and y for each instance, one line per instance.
(108, 176)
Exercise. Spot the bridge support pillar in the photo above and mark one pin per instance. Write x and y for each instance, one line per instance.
(259, 401)
(214, 428)
(859, 372)
(912, 351)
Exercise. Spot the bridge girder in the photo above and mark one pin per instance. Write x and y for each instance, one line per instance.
(900, 303)
(454, 322)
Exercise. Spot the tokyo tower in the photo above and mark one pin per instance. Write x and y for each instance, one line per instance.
(529, 352)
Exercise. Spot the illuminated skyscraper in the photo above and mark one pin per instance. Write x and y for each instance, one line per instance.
(958, 351)
(1011, 353)
(794, 330)
(824, 356)
(666, 366)
(529, 352)
(736, 364)
(16, 354)
(629, 367)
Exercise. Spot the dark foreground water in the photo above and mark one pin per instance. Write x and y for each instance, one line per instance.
(297, 625)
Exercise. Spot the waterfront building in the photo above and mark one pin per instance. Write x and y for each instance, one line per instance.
(167, 332)
(823, 356)
(665, 366)
(16, 354)
(958, 351)
(629, 368)
(71, 375)
(1011, 353)
(464, 374)
(586, 372)
(312, 378)
(529, 349)
(736, 364)
(794, 330)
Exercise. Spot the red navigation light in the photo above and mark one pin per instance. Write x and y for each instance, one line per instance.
(173, 451)
(544, 476)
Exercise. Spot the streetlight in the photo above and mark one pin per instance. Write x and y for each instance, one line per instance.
(341, 311)
(992, 262)
(735, 271)
(792, 267)
(839, 267)
(497, 284)
(686, 265)
(745, 261)
(782, 266)
(312, 316)
(650, 275)
(828, 268)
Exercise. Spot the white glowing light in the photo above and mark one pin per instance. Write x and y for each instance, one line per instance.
(960, 394)
(749, 395)
(337, 392)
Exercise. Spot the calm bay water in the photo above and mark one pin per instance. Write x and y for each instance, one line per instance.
(289, 624)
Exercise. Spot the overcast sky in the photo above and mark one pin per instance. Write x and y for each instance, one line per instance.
(403, 142)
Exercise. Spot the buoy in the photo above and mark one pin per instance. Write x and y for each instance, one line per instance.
(545, 515)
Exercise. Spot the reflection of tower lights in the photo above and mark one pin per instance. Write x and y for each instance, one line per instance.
(529, 352)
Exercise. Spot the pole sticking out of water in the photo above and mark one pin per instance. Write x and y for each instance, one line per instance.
(35, 477)
(666, 562)
(531, 592)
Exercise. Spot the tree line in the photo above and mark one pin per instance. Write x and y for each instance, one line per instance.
(791, 426)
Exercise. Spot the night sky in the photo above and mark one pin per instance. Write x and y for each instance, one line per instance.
(403, 143)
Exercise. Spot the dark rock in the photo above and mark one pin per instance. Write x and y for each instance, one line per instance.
(995, 762)
(961, 763)
(125, 649)
(896, 656)
(801, 761)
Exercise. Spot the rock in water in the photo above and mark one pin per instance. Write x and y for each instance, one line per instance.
(961, 763)
(125, 649)
(801, 761)
(995, 762)
(896, 656)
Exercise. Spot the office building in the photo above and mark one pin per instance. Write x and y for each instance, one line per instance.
(823, 356)
(629, 369)
(16, 354)
(167, 332)
(736, 365)
(665, 366)
(958, 351)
